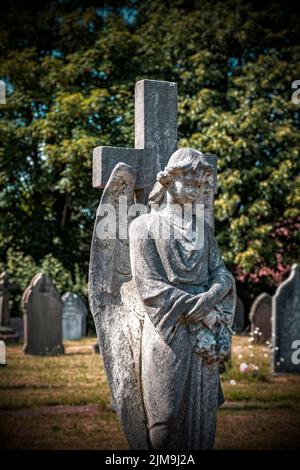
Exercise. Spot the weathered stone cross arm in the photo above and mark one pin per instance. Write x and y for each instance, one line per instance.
(106, 158)
(155, 136)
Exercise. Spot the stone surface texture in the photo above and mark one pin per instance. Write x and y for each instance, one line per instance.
(7, 332)
(163, 308)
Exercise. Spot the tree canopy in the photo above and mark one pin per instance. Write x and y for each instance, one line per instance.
(70, 69)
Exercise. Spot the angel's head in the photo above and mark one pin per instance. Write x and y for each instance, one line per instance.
(183, 178)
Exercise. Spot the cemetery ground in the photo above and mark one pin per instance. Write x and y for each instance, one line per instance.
(64, 403)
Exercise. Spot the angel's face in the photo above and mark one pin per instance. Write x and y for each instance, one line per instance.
(186, 188)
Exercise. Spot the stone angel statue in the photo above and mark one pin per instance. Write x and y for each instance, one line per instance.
(163, 304)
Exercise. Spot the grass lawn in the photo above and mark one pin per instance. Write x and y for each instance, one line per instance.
(64, 403)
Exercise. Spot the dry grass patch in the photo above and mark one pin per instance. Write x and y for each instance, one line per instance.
(64, 402)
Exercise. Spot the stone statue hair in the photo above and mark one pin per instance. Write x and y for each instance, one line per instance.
(181, 161)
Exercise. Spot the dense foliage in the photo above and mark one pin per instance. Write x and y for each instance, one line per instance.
(70, 68)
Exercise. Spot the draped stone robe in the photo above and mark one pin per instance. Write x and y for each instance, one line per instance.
(181, 392)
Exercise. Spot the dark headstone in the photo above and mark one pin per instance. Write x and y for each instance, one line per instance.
(42, 317)
(7, 332)
(260, 317)
(239, 318)
(286, 324)
(17, 324)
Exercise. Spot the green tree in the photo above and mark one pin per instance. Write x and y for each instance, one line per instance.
(70, 69)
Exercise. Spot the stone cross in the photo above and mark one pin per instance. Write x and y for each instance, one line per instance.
(155, 139)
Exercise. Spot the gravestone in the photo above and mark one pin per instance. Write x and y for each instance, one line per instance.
(7, 332)
(239, 317)
(42, 306)
(17, 324)
(2, 354)
(2, 92)
(74, 316)
(260, 317)
(286, 324)
(155, 141)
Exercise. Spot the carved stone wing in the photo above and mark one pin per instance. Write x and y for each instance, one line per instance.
(118, 329)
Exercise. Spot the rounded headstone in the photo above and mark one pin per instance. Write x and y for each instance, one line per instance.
(261, 317)
(74, 316)
(286, 324)
(42, 306)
